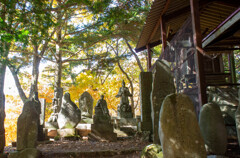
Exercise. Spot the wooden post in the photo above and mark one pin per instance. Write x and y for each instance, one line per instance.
(149, 59)
(198, 57)
(231, 63)
(163, 34)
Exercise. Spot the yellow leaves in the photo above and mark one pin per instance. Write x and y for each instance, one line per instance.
(13, 110)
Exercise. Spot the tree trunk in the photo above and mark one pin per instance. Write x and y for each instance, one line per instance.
(135, 55)
(3, 59)
(18, 85)
(35, 73)
(2, 107)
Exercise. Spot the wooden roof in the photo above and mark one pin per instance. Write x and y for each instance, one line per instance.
(175, 12)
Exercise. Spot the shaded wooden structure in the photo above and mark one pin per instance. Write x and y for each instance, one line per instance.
(194, 35)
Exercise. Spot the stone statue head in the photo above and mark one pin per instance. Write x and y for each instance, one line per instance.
(123, 83)
(67, 96)
(102, 97)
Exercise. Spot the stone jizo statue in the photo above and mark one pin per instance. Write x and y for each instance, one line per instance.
(124, 109)
(101, 111)
(86, 105)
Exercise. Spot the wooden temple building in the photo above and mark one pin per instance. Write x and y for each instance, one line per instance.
(194, 36)
(198, 38)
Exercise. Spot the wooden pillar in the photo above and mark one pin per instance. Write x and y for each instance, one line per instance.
(149, 58)
(198, 57)
(163, 34)
(231, 63)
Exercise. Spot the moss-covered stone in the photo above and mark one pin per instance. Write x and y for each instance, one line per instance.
(178, 128)
(152, 151)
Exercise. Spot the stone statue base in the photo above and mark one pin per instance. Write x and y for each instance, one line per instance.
(105, 131)
(125, 111)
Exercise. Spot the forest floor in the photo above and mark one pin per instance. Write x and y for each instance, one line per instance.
(122, 148)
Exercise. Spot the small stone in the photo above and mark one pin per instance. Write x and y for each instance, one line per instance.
(52, 133)
(152, 151)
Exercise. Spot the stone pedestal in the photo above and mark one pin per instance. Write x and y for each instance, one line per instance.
(83, 129)
(104, 131)
(145, 80)
(70, 132)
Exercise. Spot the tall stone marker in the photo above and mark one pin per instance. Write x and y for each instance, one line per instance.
(213, 129)
(27, 127)
(237, 119)
(178, 128)
(145, 80)
(43, 108)
(162, 86)
(86, 105)
(69, 115)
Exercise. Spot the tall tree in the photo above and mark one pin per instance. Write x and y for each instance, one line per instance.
(9, 31)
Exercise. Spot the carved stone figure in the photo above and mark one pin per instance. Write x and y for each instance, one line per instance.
(69, 115)
(86, 105)
(52, 120)
(124, 109)
(102, 121)
(101, 112)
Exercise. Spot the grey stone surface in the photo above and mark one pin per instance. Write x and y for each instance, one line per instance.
(43, 108)
(58, 95)
(237, 117)
(86, 105)
(213, 129)
(69, 115)
(26, 153)
(27, 126)
(145, 80)
(152, 151)
(124, 109)
(178, 128)
(162, 86)
(102, 126)
(66, 132)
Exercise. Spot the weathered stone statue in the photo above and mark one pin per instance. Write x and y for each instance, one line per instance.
(86, 105)
(52, 120)
(101, 112)
(102, 121)
(124, 109)
(69, 115)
